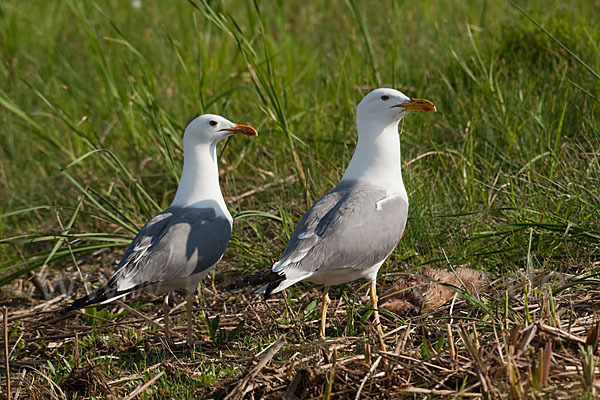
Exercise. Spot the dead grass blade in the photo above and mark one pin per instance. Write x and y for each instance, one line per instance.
(6, 354)
(242, 387)
(143, 387)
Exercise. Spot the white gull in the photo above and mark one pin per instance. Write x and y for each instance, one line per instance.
(350, 231)
(178, 247)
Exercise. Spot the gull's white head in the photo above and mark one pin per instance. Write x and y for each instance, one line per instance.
(199, 183)
(210, 129)
(387, 106)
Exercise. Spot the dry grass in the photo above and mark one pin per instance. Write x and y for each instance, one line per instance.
(527, 335)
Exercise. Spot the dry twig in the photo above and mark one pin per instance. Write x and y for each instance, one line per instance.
(240, 389)
(139, 390)
(6, 354)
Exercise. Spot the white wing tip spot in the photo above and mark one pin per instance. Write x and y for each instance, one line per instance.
(305, 235)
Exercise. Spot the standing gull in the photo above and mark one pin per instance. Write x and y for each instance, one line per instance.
(350, 231)
(178, 247)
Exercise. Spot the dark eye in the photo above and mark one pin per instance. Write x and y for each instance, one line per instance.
(385, 97)
(213, 123)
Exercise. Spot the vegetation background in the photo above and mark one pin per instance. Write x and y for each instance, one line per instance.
(94, 97)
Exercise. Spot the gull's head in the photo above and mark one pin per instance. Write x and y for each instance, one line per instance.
(210, 129)
(388, 106)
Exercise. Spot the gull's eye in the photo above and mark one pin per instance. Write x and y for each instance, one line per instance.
(213, 123)
(385, 97)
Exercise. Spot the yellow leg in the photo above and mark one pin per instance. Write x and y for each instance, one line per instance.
(166, 318)
(324, 304)
(189, 304)
(376, 315)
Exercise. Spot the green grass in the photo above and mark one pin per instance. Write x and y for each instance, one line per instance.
(94, 97)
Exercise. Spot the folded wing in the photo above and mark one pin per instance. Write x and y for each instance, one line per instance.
(171, 247)
(348, 230)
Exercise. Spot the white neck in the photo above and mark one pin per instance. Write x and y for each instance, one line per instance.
(376, 159)
(199, 183)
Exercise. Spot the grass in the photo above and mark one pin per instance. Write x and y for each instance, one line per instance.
(505, 178)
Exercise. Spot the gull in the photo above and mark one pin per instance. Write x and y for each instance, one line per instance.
(350, 231)
(178, 247)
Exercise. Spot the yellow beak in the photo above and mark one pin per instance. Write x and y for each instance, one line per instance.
(417, 105)
(241, 130)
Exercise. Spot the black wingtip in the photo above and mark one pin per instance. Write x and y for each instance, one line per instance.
(270, 287)
(92, 298)
(275, 280)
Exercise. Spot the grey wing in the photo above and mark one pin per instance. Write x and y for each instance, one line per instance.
(175, 244)
(351, 226)
(305, 236)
